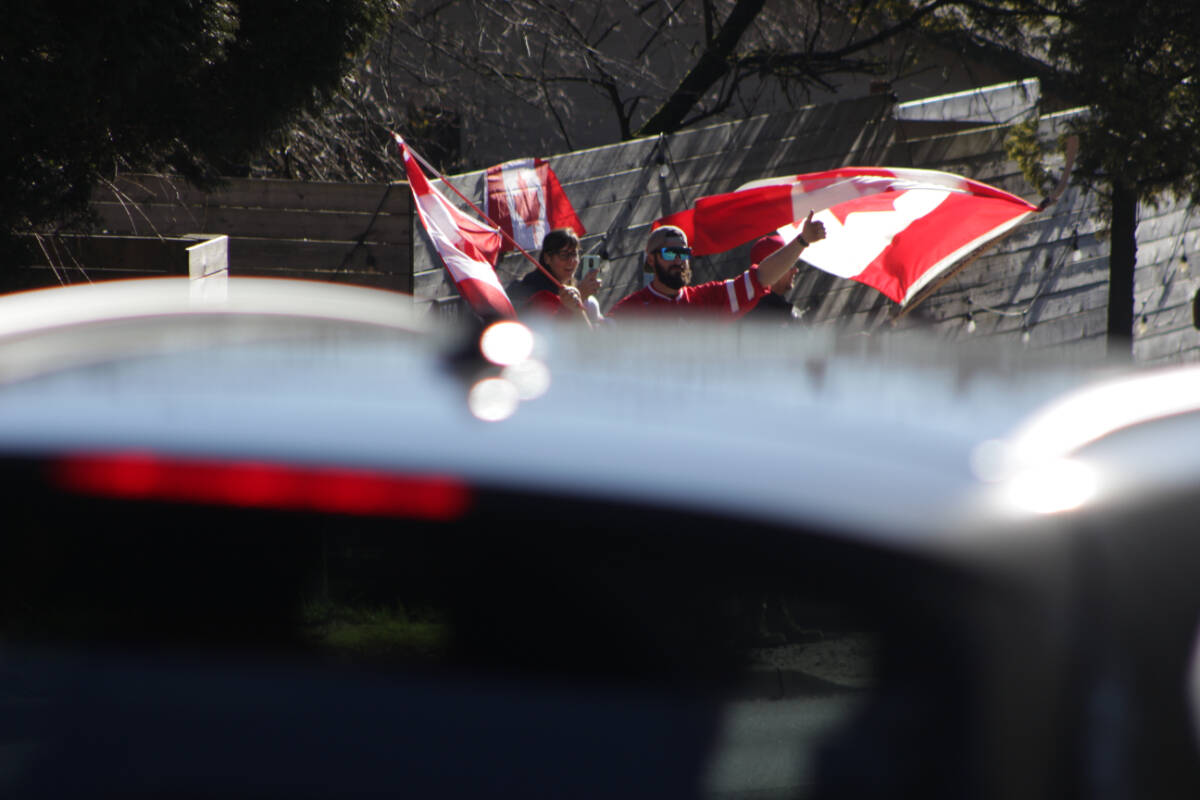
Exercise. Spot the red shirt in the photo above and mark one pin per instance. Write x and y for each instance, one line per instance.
(734, 297)
(545, 302)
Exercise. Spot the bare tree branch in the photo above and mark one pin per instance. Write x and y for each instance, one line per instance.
(713, 63)
(491, 75)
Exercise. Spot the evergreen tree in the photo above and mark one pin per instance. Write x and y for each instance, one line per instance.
(1135, 66)
(193, 85)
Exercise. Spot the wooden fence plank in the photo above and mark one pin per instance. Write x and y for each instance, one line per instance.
(209, 256)
(393, 198)
(259, 222)
(391, 282)
(1179, 342)
(325, 256)
(133, 254)
(431, 284)
(39, 276)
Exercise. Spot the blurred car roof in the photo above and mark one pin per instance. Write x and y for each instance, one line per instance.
(871, 435)
(885, 442)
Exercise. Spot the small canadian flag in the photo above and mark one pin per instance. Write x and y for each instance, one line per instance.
(526, 200)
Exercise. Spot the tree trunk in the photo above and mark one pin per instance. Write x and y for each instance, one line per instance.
(1122, 258)
(712, 65)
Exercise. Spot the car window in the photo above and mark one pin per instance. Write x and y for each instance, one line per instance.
(756, 652)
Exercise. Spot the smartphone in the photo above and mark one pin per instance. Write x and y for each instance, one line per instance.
(589, 262)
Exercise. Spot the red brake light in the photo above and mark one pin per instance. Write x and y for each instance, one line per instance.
(254, 484)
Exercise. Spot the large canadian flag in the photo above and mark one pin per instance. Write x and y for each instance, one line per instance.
(895, 229)
(526, 200)
(467, 247)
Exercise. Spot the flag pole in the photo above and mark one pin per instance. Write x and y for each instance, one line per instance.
(430, 168)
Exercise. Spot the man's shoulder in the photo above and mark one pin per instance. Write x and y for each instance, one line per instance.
(707, 293)
(736, 294)
(640, 299)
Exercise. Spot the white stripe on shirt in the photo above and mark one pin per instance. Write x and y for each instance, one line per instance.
(731, 290)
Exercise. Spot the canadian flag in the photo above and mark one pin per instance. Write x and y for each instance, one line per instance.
(526, 200)
(468, 248)
(894, 229)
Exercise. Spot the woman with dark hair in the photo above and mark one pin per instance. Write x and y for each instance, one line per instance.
(560, 257)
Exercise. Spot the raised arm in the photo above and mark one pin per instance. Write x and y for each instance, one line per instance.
(775, 265)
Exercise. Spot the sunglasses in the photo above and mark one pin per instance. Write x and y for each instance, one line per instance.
(672, 253)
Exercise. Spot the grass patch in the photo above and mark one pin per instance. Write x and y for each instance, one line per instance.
(376, 634)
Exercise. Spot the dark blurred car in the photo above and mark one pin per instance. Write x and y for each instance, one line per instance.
(296, 541)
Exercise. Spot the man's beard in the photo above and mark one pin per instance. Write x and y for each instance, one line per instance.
(671, 278)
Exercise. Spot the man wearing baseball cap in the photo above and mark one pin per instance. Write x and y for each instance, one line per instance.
(773, 307)
(669, 258)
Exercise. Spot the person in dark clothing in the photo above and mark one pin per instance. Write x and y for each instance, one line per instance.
(538, 293)
(773, 307)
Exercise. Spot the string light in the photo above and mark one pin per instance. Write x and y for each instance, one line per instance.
(974, 308)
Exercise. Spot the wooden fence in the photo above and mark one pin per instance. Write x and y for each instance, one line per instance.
(1045, 287)
(346, 233)
(1042, 288)
(61, 259)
